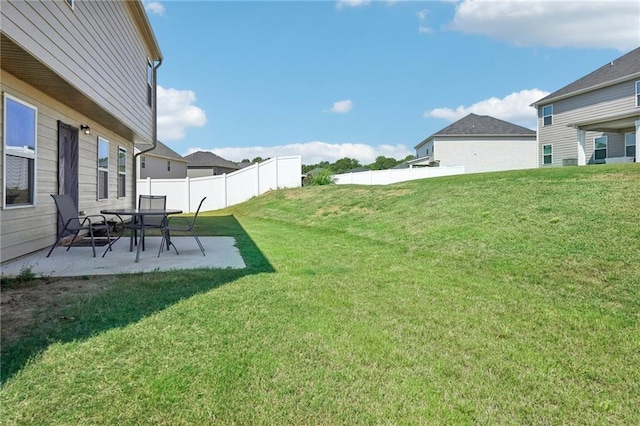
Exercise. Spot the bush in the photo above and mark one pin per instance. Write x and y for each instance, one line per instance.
(320, 178)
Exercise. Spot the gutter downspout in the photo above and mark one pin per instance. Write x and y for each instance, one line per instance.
(154, 136)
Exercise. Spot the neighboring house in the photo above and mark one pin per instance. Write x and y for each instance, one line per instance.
(161, 162)
(595, 119)
(205, 163)
(481, 144)
(78, 96)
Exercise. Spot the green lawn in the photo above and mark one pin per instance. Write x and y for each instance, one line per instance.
(499, 298)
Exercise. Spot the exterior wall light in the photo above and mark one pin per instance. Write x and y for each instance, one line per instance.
(86, 129)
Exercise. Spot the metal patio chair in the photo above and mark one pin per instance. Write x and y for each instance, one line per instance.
(186, 225)
(149, 202)
(73, 223)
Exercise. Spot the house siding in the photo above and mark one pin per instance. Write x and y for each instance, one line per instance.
(156, 167)
(26, 229)
(79, 46)
(482, 155)
(604, 102)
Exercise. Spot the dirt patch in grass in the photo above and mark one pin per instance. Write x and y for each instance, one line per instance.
(23, 304)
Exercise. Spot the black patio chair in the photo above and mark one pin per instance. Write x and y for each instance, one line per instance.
(186, 225)
(73, 223)
(149, 202)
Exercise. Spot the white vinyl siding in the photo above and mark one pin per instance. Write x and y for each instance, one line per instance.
(20, 144)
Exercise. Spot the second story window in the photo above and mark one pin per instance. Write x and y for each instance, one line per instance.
(143, 161)
(149, 83)
(168, 165)
(547, 115)
(103, 168)
(638, 93)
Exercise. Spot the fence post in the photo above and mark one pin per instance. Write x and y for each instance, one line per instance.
(224, 186)
(187, 193)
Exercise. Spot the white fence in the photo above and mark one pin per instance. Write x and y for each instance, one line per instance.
(386, 177)
(228, 189)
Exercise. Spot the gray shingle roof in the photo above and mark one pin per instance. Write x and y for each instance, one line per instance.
(474, 124)
(162, 150)
(625, 66)
(208, 159)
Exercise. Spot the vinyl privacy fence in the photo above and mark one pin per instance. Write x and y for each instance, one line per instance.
(386, 177)
(228, 189)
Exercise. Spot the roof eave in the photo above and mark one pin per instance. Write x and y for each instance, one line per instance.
(549, 98)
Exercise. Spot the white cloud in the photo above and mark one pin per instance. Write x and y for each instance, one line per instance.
(176, 113)
(422, 17)
(314, 152)
(154, 7)
(514, 108)
(582, 24)
(352, 3)
(342, 107)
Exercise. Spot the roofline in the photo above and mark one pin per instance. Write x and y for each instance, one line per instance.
(490, 135)
(548, 100)
(141, 18)
(150, 154)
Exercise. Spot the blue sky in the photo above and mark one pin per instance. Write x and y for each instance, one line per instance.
(359, 79)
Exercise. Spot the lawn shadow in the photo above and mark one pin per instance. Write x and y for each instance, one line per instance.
(130, 298)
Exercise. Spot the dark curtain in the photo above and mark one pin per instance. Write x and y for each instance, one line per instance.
(67, 162)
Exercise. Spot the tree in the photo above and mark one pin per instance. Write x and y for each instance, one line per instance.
(383, 163)
(344, 165)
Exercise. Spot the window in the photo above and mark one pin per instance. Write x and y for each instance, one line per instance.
(600, 148)
(547, 115)
(638, 93)
(20, 138)
(547, 154)
(143, 161)
(122, 172)
(70, 3)
(630, 144)
(168, 165)
(149, 83)
(103, 168)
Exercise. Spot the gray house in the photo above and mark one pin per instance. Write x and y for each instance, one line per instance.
(161, 163)
(595, 119)
(78, 81)
(480, 143)
(205, 163)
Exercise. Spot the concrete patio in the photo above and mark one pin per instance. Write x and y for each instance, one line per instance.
(221, 252)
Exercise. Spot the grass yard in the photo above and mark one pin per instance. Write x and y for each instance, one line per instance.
(498, 298)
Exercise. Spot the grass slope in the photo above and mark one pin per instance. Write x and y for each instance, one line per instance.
(497, 298)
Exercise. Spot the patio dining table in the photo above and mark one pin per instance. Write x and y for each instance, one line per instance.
(138, 215)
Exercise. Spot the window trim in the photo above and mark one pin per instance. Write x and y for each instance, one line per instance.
(606, 148)
(121, 150)
(34, 156)
(550, 155)
(102, 169)
(549, 115)
(627, 145)
(168, 165)
(638, 94)
(71, 4)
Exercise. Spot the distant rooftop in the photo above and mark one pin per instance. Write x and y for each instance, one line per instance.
(208, 159)
(162, 150)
